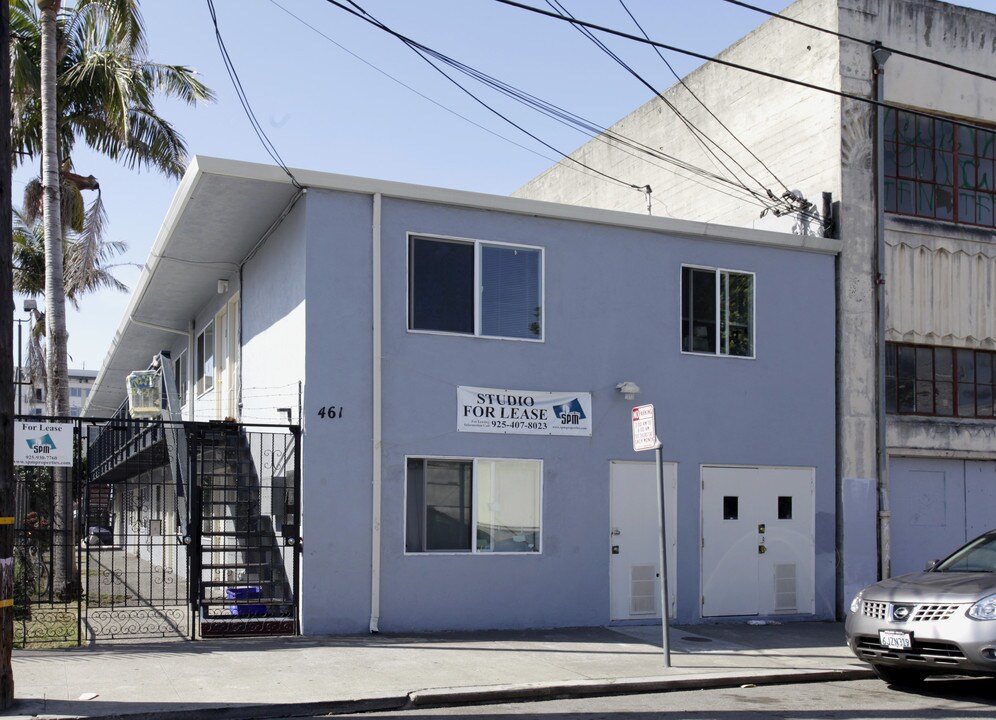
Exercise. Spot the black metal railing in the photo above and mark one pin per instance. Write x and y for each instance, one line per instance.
(179, 529)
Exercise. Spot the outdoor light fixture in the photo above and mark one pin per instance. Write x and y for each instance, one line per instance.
(222, 287)
(629, 389)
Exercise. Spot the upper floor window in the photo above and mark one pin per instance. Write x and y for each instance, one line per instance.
(75, 392)
(205, 359)
(935, 168)
(951, 382)
(481, 505)
(475, 288)
(717, 312)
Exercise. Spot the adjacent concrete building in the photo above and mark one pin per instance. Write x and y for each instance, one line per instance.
(464, 368)
(906, 149)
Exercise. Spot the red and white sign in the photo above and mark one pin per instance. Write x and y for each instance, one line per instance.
(644, 428)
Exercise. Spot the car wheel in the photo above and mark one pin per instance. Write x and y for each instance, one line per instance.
(905, 677)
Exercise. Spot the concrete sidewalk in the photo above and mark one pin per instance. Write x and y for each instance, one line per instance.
(284, 677)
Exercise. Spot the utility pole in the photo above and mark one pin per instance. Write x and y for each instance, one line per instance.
(6, 378)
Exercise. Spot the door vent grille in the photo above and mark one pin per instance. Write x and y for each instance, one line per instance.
(642, 590)
(785, 588)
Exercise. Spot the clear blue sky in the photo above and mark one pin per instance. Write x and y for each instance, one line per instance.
(314, 88)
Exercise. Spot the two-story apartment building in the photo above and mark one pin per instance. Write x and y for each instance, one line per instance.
(888, 106)
(464, 368)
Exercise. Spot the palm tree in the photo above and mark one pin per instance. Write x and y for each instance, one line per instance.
(86, 261)
(102, 93)
(82, 72)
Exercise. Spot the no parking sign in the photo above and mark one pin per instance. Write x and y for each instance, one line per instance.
(644, 428)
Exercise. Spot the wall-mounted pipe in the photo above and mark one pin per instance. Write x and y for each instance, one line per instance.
(377, 420)
(879, 57)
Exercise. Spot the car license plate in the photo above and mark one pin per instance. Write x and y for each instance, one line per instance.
(895, 639)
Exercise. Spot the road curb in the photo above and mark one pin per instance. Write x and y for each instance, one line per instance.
(230, 712)
(440, 697)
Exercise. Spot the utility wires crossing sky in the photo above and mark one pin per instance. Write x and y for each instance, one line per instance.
(730, 177)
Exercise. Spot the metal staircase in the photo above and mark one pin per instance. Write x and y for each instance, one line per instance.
(233, 496)
(243, 557)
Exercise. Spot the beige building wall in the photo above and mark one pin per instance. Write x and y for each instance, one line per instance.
(793, 130)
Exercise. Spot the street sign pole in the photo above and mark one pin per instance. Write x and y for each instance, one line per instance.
(662, 541)
(645, 438)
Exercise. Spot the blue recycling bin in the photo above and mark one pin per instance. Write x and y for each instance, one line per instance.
(245, 593)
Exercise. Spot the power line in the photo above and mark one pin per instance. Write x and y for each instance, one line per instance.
(715, 60)
(697, 134)
(406, 86)
(498, 135)
(869, 43)
(699, 100)
(270, 148)
(591, 129)
(422, 51)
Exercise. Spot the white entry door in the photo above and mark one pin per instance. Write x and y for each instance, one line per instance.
(634, 554)
(758, 541)
(226, 354)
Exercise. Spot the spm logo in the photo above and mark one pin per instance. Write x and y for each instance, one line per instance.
(570, 413)
(41, 446)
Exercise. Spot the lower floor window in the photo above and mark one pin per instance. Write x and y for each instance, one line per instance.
(480, 505)
(945, 381)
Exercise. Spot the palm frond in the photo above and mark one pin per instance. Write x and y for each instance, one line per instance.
(28, 256)
(121, 21)
(106, 86)
(177, 81)
(86, 266)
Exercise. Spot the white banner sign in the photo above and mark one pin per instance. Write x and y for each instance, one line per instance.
(523, 412)
(43, 443)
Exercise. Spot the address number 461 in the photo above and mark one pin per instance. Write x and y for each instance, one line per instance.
(330, 412)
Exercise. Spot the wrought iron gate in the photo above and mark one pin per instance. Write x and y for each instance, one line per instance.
(177, 530)
(135, 575)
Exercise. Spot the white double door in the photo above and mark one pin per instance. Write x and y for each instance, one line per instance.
(758, 541)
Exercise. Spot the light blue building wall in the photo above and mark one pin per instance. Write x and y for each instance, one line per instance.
(611, 314)
(315, 287)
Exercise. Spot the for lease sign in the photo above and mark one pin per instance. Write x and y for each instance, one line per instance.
(523, 412)
(43, 443)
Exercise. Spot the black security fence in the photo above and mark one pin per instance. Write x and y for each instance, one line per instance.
(135, 567)
(158, 530)
(45, 566)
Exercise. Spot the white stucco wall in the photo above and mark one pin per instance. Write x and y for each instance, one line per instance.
(273, 324)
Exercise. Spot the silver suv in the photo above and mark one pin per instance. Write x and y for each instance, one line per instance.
(939, 621)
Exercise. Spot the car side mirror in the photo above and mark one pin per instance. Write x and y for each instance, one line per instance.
(931, 564)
